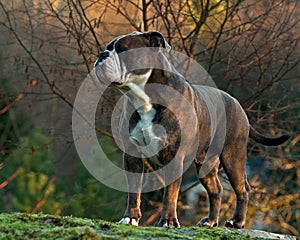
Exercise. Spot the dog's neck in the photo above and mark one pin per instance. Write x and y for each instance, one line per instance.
(140, 100)
(143, 134)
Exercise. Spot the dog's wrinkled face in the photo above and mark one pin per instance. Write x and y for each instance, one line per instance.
(119, 59)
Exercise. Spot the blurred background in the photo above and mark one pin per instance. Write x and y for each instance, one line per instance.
(250, 47)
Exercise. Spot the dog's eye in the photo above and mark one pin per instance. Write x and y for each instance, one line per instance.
(121, 46)
(120, 49)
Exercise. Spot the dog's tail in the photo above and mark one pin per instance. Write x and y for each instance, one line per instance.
(268, 141)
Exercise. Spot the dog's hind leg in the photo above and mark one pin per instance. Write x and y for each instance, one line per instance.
(133, 213)
(214, 189)
(234, 164)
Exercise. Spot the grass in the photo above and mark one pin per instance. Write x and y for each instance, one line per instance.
(40, 226)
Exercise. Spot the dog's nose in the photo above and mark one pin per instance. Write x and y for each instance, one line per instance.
(102, 56)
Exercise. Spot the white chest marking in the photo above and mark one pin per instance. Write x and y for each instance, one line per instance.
(143, 134)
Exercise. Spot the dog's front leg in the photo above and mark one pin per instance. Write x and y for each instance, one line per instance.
(133, 212)
(169, 211)
(169, 214)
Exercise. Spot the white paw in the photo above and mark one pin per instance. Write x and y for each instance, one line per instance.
(129, 221)
(169, 223)
(166, 225)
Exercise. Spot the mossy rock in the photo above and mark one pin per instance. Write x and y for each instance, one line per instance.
(41, 226)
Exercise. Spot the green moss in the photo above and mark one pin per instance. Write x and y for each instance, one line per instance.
(40, 226)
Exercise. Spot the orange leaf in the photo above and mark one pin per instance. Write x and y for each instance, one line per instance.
(32, 84)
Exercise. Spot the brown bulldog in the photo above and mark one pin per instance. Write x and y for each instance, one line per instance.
(200, 123)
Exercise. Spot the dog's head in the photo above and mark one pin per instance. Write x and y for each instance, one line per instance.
(127, 55)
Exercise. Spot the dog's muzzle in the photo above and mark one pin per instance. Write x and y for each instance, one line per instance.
(108, 68)
(102, 56)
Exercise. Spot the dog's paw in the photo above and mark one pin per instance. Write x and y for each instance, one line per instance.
(129, 221)
(233, 223)
(206, 222)
(169, 223)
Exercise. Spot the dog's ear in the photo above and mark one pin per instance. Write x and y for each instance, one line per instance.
(110, 45)
(156, 39)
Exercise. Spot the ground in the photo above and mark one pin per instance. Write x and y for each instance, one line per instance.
(40, 226)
